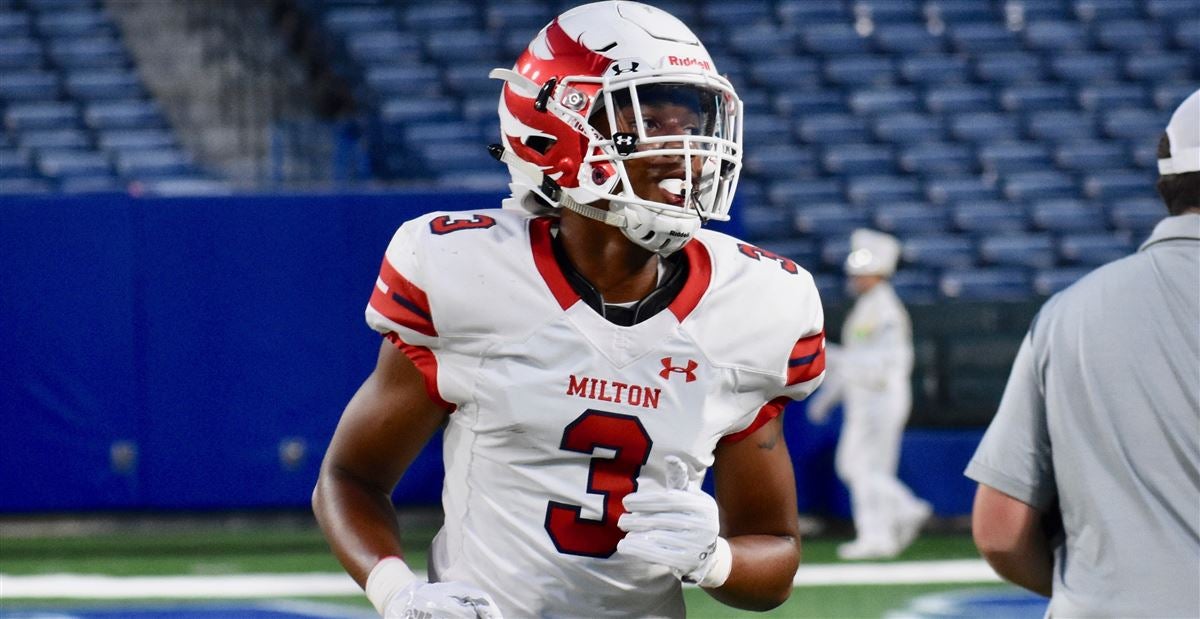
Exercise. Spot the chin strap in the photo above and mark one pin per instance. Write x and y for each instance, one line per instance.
(550, 190)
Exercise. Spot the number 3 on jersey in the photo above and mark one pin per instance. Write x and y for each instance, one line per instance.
(612, 478)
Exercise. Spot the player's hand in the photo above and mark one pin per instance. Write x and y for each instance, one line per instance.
(679, 528)
(452, 600)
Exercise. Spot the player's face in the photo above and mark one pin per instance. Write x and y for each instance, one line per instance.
(647, 174)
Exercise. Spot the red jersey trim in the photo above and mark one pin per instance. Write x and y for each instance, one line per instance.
(769, 411)
(403, 303)
(426, 363)
(543, 258)
(699, 277)
(807, 360)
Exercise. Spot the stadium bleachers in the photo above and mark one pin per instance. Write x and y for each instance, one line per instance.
(75, 113)
(945, 122)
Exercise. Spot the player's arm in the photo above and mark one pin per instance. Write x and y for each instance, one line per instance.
(1010, 536)
(382, 430)
(756, 490)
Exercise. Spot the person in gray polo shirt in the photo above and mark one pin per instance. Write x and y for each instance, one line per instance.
(1098, 431)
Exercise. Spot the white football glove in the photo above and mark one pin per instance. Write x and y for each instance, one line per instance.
(679, 528)
(397, 593)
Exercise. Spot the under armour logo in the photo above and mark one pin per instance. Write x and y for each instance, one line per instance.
(625, 67)
(625, 143)
(689, 371)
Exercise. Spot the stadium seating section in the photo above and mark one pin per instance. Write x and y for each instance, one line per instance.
(1010, 144)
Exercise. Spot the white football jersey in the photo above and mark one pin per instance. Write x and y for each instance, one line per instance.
(559, 413)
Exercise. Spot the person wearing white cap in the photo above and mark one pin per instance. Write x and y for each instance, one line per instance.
(1089, 474)
(871, 373)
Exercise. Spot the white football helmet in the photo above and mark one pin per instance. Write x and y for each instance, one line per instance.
(578, 74)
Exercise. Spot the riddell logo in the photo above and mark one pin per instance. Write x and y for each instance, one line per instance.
(669, 368)
(676, 61)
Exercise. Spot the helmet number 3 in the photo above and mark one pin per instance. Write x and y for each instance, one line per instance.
(610, 477)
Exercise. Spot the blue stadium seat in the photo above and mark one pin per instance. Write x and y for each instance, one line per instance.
(950, 99)
(1037, 96)
(1086, 68)
(18, 186)
(1053, 36)
(874, 101)
(74, 23)
(828, 220)
(463, 46)
(805, 12)
(54, 139)
(832, 128)
(1067, 215)
(135, 139)
(833, 39)
(41, 115)
(92, 85)
(781, 161)
(1088, 155)
(934, 158)
(1131, 124)
(915, 285)
(1145, 154)
(859, 70)
(404, 109)
(1097, 97)
(1168, 96)
(1060, 125)
(342, 20)
(762, 41)
(1035, 10)
(471, 78)
(959, 11)
(15, 25)
(1095, 248)
(984, 126)
(153, 164)
(1036, 185)
(795, 192)
(908, 218)
(833, 254)
(384, 47)
(73, 163)
(786, 75)
(91, 184)
(1010, 67)
(1136, 215)
(15, 164)
(856, 159)
(93, 52)
(956, 190)
(452, 157)
(887, 11)
(760, 131)
(744, 12)
(1021, 250)
(983, 216)
(1159, 67)
(1104, 10)
(986, 284)
(1006, 157)
(1170, 10)
(29, 85)
(908, 128)
(1050, 281)
(927, 70)
(127, 114)
(1109, 185)
(831, 287)
(882, 188)
(1131, 35)
(447, 16)
(415, 79)
(906, 38)
(1187, 34)
(974, 38)
(19, 53)
(763, 221)
(938, 251)
(524, 15)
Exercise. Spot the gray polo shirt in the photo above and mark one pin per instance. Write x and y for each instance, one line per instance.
(1102, 412)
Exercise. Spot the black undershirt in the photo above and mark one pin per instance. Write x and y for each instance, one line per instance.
(675, 271)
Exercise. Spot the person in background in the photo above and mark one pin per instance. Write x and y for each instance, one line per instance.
(870, 372)
(1089, 474)
(592, 353)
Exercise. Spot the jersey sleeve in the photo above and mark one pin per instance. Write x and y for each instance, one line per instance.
(400, 307)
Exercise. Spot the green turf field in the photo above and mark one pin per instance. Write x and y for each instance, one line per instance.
(220, 549)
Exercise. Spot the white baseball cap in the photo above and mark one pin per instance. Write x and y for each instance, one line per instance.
(1184, 133)
(872, 253)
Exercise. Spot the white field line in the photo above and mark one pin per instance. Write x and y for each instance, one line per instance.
(86, 586)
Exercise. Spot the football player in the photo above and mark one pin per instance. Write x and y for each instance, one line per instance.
(591, 351)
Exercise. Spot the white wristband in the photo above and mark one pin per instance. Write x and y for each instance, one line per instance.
(388, 577)
(722, 565)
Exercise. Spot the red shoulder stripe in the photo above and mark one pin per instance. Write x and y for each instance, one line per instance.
(769, 411)
(807, 360)
(547, 266)
(699, 276)
(403, 303)
(426, 362)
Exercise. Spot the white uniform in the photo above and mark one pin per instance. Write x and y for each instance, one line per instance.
(558, 413)
(874, 366)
